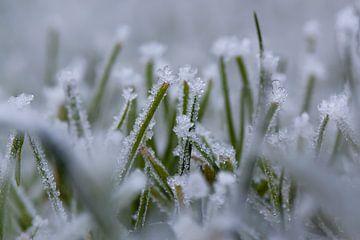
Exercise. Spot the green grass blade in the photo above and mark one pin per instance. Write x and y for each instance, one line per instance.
(309, 93)
(99, 95)
(205, 100)
(157, 170)
(186, 157)
(274, 106)
(149, 74)
(140, 127)
(143, 209)
(259, 35)
(226, 95)
(242, 126)
(16, 152)
(185, 98)
(320, 135)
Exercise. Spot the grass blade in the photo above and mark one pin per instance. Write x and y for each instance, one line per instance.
(141, 124)
(99, 95)
(142, 210)
(205, 100)
(320, 136)
(225, 90)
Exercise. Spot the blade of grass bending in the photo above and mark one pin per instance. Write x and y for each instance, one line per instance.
(142, 126)
(225, 89)
(142, 210)
(309, 93)
(158, 170)
(205, 100)
(99, 95)
(320, 136)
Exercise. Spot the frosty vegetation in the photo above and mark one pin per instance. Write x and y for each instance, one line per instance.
(152, 165)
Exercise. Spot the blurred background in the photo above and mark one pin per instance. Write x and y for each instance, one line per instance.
(187, 27)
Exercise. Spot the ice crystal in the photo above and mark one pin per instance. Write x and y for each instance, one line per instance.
(129, 94)
(210, 72)
(231, 46)
(122, 34)
(128, 77)
(165, 74)
(314, 67)
(302, 126)
(152, 51)
(336, 107)
(270, 62)
(196, 186)
(187, 73)
(312, 29)
(183, 125)
(187, 229)
(278, 93)
(21, 101)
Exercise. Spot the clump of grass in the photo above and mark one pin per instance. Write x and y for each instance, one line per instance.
(264, 177)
